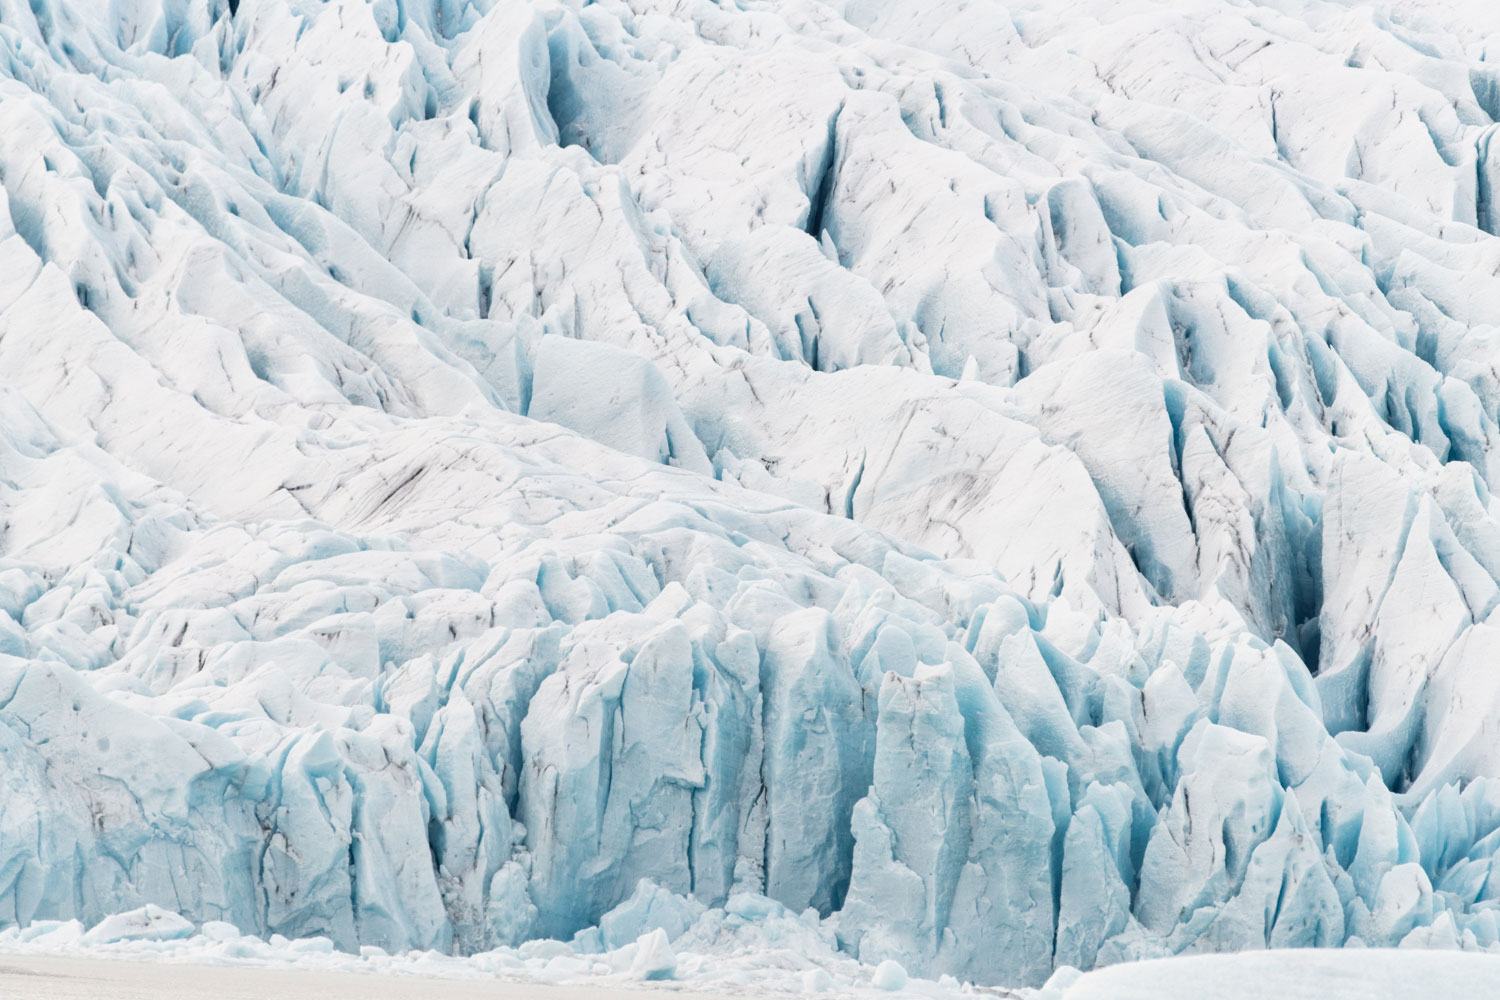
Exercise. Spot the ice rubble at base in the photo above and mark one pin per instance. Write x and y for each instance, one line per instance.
(750, 943)
(1020, 490)
(754, 946)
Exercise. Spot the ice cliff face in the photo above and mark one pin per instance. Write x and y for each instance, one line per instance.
(1015, 479)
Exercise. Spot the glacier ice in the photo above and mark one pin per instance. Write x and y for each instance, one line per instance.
(1008, 484)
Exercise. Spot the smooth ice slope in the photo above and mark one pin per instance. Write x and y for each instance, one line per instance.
(1353, 974)
(1015, 480)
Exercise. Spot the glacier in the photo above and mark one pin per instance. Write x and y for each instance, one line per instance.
(1008, 485)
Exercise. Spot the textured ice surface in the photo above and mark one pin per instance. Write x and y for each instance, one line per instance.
(1012, 480)
(749, 946)
(56, 960)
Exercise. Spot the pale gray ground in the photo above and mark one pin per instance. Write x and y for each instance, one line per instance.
(29, 977)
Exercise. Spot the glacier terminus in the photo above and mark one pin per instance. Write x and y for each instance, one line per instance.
(965, 488)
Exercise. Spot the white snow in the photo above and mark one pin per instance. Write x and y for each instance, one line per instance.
(977, 488)
(1350, 974)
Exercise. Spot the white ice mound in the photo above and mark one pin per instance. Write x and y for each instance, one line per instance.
(149, 923)
(654, 958)
(982, 488)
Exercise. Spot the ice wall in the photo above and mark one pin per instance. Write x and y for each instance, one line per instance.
(1015, 480)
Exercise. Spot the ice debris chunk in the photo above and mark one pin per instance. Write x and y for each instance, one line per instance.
(889, 976)
(654, 958)
(149, 923)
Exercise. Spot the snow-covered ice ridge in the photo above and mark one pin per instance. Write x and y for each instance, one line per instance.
(1015, 480)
